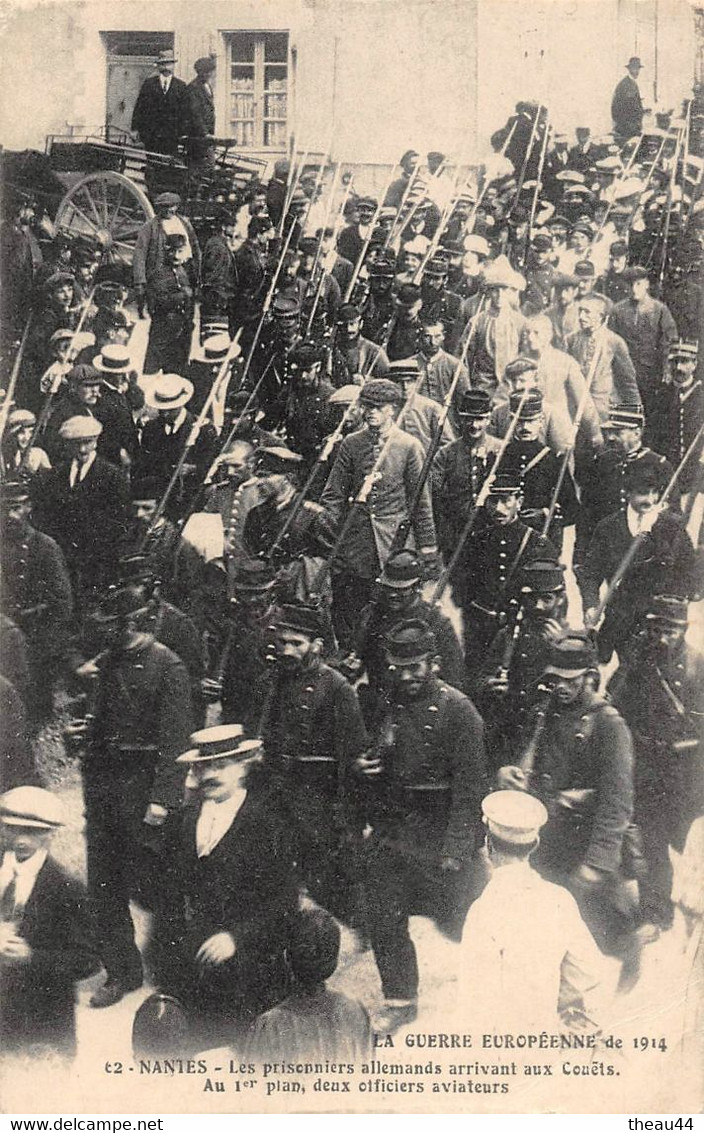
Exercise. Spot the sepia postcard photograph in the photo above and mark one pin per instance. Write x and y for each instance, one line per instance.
(351, 558)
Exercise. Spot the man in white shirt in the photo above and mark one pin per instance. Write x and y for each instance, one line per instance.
(44, 941)
(528, 959)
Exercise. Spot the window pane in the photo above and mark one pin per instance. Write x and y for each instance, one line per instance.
(242, 78)
(276, 47)
(243, 48)
(275, 134)
(275, 106)
(275, 78)
(243, 133)
(242, 106)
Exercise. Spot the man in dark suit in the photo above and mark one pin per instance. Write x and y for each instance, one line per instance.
(251, 263)
(218, 273)
(230, 892)
(83, 504)
(159, 115)
(626, 105)
(45, 945)
(201, 116)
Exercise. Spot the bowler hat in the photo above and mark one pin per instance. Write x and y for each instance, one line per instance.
(514, 816)
(31, 806)
(84, 375)
(474, 403)
(634, 61)
(347, 313)
(166, 57)
(409, 641)
(584, 269)
(401, 571)
(618, 248)
(646, 470)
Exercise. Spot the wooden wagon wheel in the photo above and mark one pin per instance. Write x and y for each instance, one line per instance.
(109, 209)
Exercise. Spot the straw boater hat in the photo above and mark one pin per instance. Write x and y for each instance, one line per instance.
(113, 359)
(224, 741)
(168, 391)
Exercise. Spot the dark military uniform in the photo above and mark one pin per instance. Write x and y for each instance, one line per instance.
(665, 561)
(376, 621)
(487, 577)
(309, 418)
(142, 722)
(661, 700)
(446, 307)
(312, 731)
(351, 361)
(270, 374)
(583, 772)
(537, 469)
(615, 285)
(249, 668)
(376, 320)
(678, 416)
(423, 808)
(36, 593)
(404, 340)
(457, 476)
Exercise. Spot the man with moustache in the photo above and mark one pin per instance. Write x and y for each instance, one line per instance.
(355, 358)
(312, 731)
(230, 893)
(421, 784)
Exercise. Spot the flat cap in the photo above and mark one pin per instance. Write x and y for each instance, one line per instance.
(348, 312)
(277, 459)
(519, 366)
(380, 391)
(476, 244)
(167, 199)
(345, 395)
(21, 419)
(564, 279)
(32, 806)
(80, 428)
(635, 272)
(541, 243)
(58, 279)
(409, 641)
(514, 816)
(305, 356)
(408, 294)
